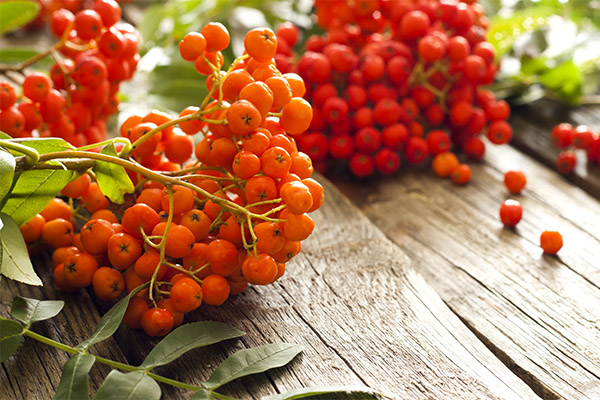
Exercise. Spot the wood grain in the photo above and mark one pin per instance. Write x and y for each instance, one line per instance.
(364, 316)
(536, 312)
(34, 371)
(533, 124)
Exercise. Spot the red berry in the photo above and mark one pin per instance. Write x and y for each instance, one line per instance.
(511, 213)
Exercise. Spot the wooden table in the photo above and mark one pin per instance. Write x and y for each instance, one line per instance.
(409, 285)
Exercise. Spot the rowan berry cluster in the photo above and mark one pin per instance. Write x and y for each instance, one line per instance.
(95, 53)
(47, 7)
(393, 80)
(568, 138)
(199, 230)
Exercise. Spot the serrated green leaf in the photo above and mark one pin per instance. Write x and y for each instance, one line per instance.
(202, 394)
(109, 323)
(10, 337)
(186, 338)
(340, 392)
(29, 310)
(132, 385)
(504, 31)
(4, 135)
(15, 14)
(74, 378)
(16, 264)
(7, 172)
(252, 361)
(112, 179)
(33, 191)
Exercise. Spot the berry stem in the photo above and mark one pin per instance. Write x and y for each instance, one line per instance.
(32, 155)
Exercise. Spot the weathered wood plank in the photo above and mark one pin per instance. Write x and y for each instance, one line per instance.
(533, 124)
(364, 316)
(34, 371)
(535, 311)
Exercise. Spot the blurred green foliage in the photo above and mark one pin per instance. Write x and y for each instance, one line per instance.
(549, 48)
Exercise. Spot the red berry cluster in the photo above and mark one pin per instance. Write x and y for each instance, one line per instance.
(400, 79)
(202, 230)
(568, 138)
(80, 93)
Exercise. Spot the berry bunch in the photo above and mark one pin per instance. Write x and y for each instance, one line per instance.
(568, 138)
(197, 230)
(392, 80)
(80, 93)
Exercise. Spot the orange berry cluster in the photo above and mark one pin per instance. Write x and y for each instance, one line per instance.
(75, 101)
(236, 215)
(398, 81)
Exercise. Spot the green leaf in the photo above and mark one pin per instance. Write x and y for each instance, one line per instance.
(15, 258)
(504, 31)
(202, 394)
(16, 55)
(340, 392)
(109, 323)
(566, 80)
(7, 172)
(132, 385)
(74, 378)
(112, 179)
(186, 338)
(252, 361)
(10, 337)
(14, 14)
(46, 145)
(32, 310)
(33, 191)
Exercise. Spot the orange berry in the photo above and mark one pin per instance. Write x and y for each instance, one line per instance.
(461, 175)
(222, 256)
(135, 309)
(316, 190)
(77, 187)
(186, 295)
(217, 36)
(282, 91)
(260, 270)
(157, 322)
(261, 44)
(57, 208)
(58, 233)
(298, 227)
(515, 181)
(123, 249)
(276, 162)
(167, 304)
(79, 269)
(32, 229)
(243, 117)
(551, 242)
(108, 283)
(93, 199)
(105, 214)
(296, 116)
(259, 94)
(297, 197)
(95, 235)
(215, 290)
(192, 46)
(444, 163)
(183, 199)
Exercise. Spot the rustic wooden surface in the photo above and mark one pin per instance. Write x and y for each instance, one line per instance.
(539, 314)
(425, 295)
